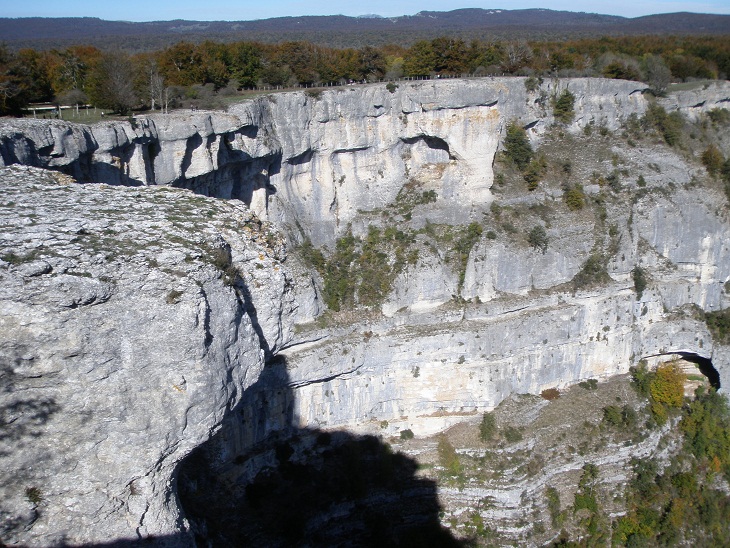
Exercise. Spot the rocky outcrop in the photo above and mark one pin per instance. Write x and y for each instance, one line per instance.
(132, 321)
(135, 320)
(311, 161)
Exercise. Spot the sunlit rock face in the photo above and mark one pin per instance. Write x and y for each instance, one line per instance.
(127, 337)
(134, 320)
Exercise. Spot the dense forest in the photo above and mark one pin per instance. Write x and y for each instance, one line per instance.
(185, 72)
(354, 32)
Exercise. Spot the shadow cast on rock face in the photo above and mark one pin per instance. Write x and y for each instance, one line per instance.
(24, 413)
(291, 486)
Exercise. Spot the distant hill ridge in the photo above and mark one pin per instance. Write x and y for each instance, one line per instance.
(338, 30)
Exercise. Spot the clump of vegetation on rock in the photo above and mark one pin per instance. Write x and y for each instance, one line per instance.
(593, 272)
(517, 146)
(538, 238)
(563, 107)
(361, 271)
(640, 278)
(719, 324)
(488, 427)
(669, 126)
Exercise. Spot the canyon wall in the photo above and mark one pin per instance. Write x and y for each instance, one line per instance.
(128, 334)
(135, 320)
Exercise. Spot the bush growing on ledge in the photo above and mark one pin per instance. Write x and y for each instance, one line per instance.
(668, 125)
(361, 272)
(538, 238)
(465, 240)
(534, 172)
(574, 197)
(712, 160)
(448, 457)
(719, 325)
(488, 427)
(563, 107)
(590, 384)
(640, 281)
(593, 272)
(517, 146)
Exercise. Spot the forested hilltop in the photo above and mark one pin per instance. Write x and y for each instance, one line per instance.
(342, 31)
(205, 74)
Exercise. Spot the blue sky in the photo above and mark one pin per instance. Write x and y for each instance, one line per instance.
(237, 10)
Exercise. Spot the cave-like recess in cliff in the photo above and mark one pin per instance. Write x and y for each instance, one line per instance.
(705, 366)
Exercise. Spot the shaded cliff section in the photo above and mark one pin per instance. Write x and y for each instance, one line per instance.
(263, 480)
(212, 153)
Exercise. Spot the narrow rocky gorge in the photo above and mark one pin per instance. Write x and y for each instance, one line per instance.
(169, 303)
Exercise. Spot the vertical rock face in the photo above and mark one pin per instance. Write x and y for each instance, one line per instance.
(311, 162)
(134, 320)
(128, 332)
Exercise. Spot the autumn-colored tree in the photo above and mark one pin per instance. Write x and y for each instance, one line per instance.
(182, 65)
(420, 60)
(111, 83)
(667, 387)
(712, 160)
(449, 55)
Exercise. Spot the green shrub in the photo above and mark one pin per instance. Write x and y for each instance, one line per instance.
(512, 434)
(173, 297)
(222, 260)
(585, 497)
(339, 283)
(719, 325)
(538, 238)
(641, 378)
(465, 240)
(532, 83)
(620, 417)
(534, 172)
(563, 107)
(448, 458)
(553, 504)
(33, 495)
(640, 280)
(712, 160)
(312, 256)
(488, 427)
(590, 384)
(668, 125)
(517, 146)
(406, 434)
(612, 415)
(574, 197)
(593, 272)
(391, 87)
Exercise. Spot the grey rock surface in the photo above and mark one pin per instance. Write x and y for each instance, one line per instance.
(126, 337)
(135, 319)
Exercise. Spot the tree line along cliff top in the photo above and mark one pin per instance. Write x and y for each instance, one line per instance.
(203, 74)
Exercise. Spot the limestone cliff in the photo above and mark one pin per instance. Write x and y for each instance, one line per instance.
(128, 332)
(159, 307)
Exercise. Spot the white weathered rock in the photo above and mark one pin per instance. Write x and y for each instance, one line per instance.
(125, 347)
(122, 348)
